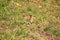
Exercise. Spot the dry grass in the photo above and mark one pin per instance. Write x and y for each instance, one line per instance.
(29, 19)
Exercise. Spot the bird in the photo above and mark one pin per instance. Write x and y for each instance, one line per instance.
(31, 17)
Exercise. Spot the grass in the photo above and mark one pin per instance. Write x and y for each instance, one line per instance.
(14, 18)
(53, 31)
(19, 32)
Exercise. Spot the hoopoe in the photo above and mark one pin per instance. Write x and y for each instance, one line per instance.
(31, 19)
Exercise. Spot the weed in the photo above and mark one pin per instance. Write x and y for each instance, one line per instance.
(55, 32)
(48, 28)
(4, 3)
(32, 10)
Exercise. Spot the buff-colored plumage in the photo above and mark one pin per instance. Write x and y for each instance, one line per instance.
(31, 19)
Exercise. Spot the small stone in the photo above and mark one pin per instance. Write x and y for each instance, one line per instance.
(18, 4)
(40, 6)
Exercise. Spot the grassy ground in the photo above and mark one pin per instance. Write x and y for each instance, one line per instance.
(29, 19)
